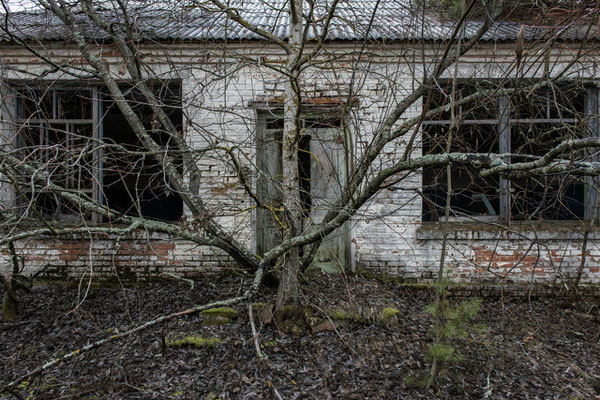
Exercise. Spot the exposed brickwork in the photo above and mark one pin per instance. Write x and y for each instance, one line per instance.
(128, 259)
(387, 234)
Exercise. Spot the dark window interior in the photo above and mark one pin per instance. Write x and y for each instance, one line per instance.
(74, 104)
(563, 102)
(274, 123)
(471, 194)
(538, 121)
(57, 134)
(54, 206)
(482, 108)
(475, 132)
(304, 172)
(133, 183)
(544, 118)
(559, 197)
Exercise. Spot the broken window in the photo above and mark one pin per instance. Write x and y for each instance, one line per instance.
(59, 130)
(134, 182)
(57, 136)
(526, 125)
(540, 120)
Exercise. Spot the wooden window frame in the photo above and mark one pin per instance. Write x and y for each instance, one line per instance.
(22, 121)
(504, 122)
(97, 98)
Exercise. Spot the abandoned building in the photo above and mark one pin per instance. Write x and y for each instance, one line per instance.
(219, 86)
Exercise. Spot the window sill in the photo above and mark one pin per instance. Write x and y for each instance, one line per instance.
(475, 230)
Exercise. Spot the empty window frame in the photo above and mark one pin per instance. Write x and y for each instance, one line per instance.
(59, 130)
(133, 181)
(57, 134)
(524, 123)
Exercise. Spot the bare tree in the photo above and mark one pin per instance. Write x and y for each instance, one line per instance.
(341, 119)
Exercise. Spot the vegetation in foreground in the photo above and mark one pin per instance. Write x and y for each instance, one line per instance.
(546, 348)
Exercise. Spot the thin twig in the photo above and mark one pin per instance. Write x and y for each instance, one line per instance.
(276, 392)
(89, 284)
(190, 281)
(259, 353)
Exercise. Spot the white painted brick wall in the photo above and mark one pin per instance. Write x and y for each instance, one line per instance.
(387, 233)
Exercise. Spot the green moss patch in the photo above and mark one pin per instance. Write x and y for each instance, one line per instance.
(219, 316)
(389, 312)
(389, 316)
(178, 341)
(343, 315)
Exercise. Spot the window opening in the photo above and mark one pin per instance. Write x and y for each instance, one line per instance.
(475, 132)
(540, 120)
(530, 123)
(134, 182)
(58, 132)
(60, 143)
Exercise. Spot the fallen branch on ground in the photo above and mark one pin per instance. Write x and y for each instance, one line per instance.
(258, 276)
(112, 338)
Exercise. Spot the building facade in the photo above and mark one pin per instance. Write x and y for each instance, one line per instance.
(227, 96)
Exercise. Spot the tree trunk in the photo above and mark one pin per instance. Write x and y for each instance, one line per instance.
(288, 290)
(9, 305)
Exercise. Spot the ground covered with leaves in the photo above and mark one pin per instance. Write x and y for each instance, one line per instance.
(544, 348)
